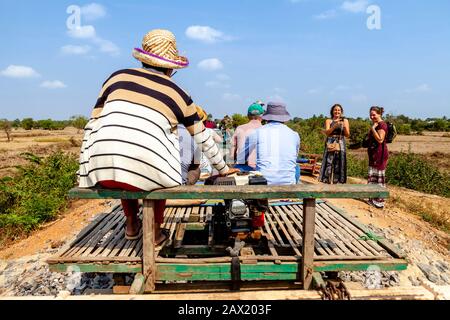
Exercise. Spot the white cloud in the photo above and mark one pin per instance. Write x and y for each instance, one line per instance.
(107, 46)
(14, 71)
(326, 15)
(206, 34)
(276, 98)
(89, 33)
(356, 6)
(53, 84)
(217, 84)
(423, 88)
(212, 64)
(93, 11)
(231, 97)
(314, 91)
(82, 32)
(75, 50)
(223, 77)
(358, 98)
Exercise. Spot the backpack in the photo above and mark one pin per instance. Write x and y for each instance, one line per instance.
(392, 132)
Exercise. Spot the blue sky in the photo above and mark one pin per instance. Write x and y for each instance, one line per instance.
(307, 53)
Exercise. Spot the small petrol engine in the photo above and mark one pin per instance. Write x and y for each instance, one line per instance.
(242, 218)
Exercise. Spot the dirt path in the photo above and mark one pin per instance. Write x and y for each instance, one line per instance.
(56, 233)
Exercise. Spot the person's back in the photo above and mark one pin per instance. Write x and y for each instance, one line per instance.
(276, 146)
(276, 153)
(254, 113)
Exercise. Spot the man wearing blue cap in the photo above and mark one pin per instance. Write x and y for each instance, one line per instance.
(276, 147)
(254, 113)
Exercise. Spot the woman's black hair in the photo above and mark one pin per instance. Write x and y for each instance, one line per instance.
(378, 110)
(335, 106)
(163, 70)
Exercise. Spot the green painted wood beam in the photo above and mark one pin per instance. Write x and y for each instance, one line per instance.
(93, 268)
(302, 191)
(221, 271)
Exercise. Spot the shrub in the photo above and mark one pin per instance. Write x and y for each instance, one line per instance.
(37, 193)
(357, 167)
(414, 172)
(408, 170)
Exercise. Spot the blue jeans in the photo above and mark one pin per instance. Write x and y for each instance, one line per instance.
(244, 167)
(297, 174)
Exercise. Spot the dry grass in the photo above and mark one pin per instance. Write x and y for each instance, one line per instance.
(429, 210)
(51, 140)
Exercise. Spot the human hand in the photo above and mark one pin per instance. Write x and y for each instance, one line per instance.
(230, 172)
(375, 126)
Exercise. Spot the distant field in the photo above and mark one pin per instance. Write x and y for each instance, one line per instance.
(430, 142)
(39, 142)
(435, 146)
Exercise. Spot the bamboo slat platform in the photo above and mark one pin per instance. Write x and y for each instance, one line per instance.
(340, 243)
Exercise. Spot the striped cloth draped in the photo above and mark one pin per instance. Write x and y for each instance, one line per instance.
(132, 134)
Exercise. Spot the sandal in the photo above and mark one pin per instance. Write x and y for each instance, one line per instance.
(166, 234)
(137, 235)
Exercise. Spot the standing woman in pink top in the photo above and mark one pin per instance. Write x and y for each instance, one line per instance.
(254, 114)
(378, 152)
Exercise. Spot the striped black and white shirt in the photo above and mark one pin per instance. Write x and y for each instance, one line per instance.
(132, 134)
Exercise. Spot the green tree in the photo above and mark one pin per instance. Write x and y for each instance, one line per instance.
(47, 124)
(79, 122)
(5, 126)
(27, 123)
(16, 123)
(239, 119)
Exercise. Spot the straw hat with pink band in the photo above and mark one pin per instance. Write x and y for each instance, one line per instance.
(159, 49)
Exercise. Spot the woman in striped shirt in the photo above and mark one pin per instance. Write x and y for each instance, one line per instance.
(131, 141)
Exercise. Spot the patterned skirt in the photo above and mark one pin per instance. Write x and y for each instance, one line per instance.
(377, 177)
(334, 164)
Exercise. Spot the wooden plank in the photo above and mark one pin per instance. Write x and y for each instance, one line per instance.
(113, 239)
(295, 236)
(352, 238)
(149, 264)
(202, 214)
(340, 233)
(187, 214)
(113, 244)
(325, 228)
(121, 290)
(210, 234)
(273, 228)
(100, 234)
(309, 218)
(286, 233)
(209, 214)
(93, 236)
(391, 249)
(194, 216)
(179, 235)
(135, 251)
(248, 252)
(265, 291)
(100, 268)
(301, 191)
(297, 217)
(358, 233)
(83, 241)
(168, 216)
